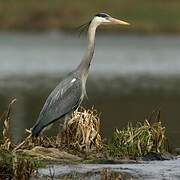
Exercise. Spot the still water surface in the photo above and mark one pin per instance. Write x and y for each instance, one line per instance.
(130, 76)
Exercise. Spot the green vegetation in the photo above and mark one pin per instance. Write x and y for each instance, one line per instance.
(145, 15)
(138, 141)
(14, 166)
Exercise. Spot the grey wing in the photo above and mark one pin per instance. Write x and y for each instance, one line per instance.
(63, 99)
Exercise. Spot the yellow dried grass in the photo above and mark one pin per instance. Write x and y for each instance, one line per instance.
(82, 131)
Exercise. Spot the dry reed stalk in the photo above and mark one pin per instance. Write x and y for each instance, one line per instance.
(7, 143)
(23, 143)
(82, 131)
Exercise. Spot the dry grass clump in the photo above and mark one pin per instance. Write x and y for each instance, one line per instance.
(137, 141)
(31, 142)
(82, 131)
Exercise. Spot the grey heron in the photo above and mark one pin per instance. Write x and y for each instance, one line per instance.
(69, 94)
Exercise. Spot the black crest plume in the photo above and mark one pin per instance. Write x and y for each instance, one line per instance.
(83, 27)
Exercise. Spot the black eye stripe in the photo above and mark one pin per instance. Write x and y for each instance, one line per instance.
(104, 15)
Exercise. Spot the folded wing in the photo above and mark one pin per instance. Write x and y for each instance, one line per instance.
(63, 99)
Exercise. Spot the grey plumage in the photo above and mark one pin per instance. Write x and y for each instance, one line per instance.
(68, 95)
(63, 99)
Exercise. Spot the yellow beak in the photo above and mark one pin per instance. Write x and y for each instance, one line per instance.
(117, 21)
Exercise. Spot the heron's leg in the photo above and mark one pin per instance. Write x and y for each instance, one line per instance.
(63, 132)
(63, 122)
(65, 128)
(60, 138)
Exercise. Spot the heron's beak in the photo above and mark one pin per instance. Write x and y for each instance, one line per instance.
(117, 21)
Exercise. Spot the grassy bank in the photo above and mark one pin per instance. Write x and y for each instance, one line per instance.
(80, 142)
(145, 15)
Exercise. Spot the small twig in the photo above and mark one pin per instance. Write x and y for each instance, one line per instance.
(9, 108)
(22, 143)
(154, 116)
(51, 172)
(158, 115)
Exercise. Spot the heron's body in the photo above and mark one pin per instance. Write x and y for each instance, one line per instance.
(69, 90)
(68, 95)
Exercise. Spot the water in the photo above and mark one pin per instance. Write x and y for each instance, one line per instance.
(130, 76)
(162, 170)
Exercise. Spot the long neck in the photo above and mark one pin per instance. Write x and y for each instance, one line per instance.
(83, 67)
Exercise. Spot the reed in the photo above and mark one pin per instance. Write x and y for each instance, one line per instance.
(12, 165)
(138, 140)
(82, 131)
(6, 142)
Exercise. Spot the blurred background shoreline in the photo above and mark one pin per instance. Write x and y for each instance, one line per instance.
(145, 16)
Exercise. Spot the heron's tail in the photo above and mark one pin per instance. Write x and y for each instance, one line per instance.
(37, 128)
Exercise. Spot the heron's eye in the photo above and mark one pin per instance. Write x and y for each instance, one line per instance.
(103, 15)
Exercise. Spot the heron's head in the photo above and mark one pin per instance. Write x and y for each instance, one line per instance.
(101, 19)
(105, 19)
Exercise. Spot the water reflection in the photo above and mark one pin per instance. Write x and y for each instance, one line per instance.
(119, 100)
